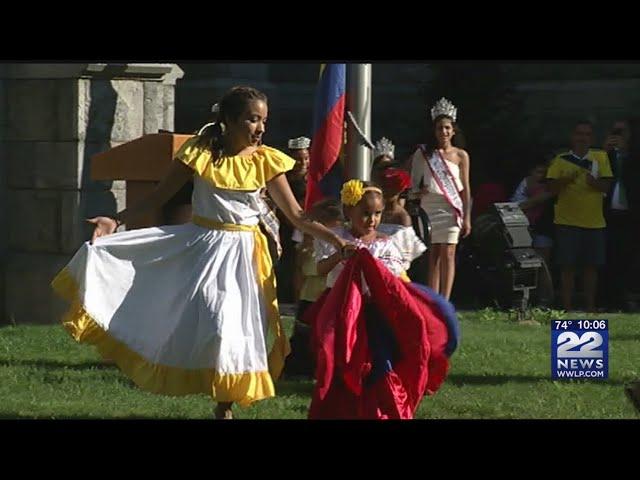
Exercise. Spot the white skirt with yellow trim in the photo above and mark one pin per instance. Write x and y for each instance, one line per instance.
(179, 309)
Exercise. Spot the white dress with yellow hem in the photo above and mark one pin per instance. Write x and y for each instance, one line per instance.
(186, 309)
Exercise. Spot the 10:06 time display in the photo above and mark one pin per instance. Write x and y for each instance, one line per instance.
(592, 324)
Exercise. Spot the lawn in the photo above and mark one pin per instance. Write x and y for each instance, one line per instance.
(501, 370)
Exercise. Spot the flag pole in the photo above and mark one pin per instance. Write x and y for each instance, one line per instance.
(359, 105)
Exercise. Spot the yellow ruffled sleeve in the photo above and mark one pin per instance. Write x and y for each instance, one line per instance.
(195, 156)
(237, 172)
(274, 162)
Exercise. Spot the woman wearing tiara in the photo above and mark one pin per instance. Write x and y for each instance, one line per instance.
(440, 178)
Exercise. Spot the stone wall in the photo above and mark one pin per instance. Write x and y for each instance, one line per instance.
(552, 95)
(55, 118)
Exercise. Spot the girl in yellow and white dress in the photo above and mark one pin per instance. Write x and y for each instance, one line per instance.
(186, 309)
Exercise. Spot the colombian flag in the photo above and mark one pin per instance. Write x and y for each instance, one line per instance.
(325, 173)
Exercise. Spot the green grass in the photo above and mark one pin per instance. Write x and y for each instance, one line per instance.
(501, 370)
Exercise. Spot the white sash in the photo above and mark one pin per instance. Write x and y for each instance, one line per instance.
(445, 180)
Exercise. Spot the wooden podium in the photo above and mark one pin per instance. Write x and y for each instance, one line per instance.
(142, 163)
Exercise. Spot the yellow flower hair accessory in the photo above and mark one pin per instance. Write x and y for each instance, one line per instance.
(352, 192)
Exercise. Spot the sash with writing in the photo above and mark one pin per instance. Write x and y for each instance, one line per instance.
(445, 180)
(271, 225)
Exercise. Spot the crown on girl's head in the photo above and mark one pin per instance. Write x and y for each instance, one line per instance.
(384, 147)
(299, 143)
(444, 107)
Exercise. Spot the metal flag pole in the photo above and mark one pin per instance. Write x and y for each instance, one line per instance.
(358, 120)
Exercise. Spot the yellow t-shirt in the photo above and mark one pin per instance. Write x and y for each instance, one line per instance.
(578, 204)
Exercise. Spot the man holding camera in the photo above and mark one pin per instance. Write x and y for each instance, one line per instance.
(580, 178)
(618, 215)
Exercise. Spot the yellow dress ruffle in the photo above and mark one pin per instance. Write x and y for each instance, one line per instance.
(238, 172)
(243, 388)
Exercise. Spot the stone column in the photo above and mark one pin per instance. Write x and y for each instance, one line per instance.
(54, 118)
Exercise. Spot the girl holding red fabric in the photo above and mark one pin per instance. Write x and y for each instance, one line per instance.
(380, 342)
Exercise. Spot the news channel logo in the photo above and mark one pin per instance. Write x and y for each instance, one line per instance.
(580, 349)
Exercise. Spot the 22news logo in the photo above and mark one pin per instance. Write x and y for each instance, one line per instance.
(580, 349)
